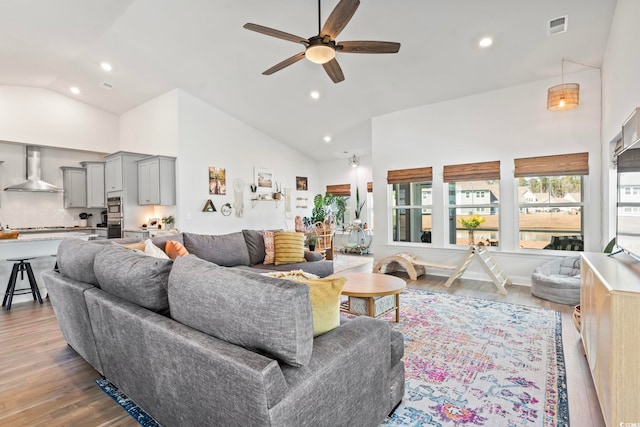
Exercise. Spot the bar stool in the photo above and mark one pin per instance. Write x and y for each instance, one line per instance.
(20, 265)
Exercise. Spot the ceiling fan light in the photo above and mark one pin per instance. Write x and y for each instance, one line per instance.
(320, 53)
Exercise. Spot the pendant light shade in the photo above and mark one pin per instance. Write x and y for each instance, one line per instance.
(564, 96)
(354, 161)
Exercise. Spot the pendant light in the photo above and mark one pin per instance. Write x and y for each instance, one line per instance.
(564, 96)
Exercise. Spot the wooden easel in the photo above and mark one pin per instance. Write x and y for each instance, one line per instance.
(489, 264)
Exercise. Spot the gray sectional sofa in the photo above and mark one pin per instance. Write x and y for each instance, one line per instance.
(197, 344)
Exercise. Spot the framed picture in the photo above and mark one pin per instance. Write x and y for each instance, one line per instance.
(301, 183)
(217, 181)
(263, 179)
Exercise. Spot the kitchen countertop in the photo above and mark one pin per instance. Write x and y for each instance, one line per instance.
(61, 234)
(55, 229)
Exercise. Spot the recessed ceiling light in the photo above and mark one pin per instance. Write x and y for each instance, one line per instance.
(74, 90)
(106, 66)
(314, 94)
(327, 139)
(485, 42)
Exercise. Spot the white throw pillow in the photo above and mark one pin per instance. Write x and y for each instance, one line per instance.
(154, 251)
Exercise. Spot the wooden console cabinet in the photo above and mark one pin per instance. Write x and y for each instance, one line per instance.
(610, 329)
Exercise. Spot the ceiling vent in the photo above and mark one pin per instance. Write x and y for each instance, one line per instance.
(558, 25)
(106, 85)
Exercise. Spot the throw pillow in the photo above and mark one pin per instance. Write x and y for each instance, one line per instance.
(175, 249)
(325, 302)
(137, 245)
(289, 247)
(255, 245)
(269, 247)
(228, 250)
(152, 250)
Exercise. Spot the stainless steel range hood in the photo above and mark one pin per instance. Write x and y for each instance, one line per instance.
(34, 183)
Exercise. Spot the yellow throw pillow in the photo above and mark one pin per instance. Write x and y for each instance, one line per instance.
(325, 302)
(135, 246)
(289, 247)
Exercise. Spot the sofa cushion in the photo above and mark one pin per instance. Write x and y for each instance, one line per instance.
(161, 239)
(75, 259)
(227, 249)
(135, 277)
(262, 314)
(289, 247)
(269, 247)
(255, 245)
(174, 249)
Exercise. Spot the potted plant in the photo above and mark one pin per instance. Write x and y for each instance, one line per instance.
(312, 239)
(324, 206)
(359, 207)
(277, 194)
(168, 222)
(471, 223)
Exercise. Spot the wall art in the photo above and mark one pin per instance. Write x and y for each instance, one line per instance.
(217, 180)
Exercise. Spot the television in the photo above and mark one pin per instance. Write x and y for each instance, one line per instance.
(628, 203)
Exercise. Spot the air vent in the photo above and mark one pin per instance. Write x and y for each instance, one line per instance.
(106, 85)
(558, 25)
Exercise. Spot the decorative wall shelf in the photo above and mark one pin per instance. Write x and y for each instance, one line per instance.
(255, 201)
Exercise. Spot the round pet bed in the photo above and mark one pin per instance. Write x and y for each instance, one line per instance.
(558, 281)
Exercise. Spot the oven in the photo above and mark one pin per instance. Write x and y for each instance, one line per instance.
(114, 217)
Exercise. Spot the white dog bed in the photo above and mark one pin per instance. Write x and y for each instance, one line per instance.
(558, 281)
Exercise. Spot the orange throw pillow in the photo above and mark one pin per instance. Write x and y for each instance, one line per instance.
(175, 249)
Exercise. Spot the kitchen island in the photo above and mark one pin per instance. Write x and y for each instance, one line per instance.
(43, 247)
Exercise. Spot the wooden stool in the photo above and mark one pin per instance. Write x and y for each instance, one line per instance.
(21, 266)
(412, 263)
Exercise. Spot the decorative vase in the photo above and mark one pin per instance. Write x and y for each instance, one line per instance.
(277, 196)
(357, 221)
(312, 247)
(471, 238)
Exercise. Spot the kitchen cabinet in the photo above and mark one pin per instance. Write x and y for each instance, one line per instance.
(610, 308)
(157, 181)
(138, 234)
(113, 173)
(75, 187)
(96, 196)
(121, 173)
(100, 232)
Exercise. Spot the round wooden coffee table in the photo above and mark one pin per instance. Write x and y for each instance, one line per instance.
(380, 293)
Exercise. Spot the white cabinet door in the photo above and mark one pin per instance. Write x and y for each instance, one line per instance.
(113, 174)
(75, 187)
(157, 181)
(142, 235)
(95, 184)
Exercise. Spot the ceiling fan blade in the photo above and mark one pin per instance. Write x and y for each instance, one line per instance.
(279, 66)
(333, 70)
(275, 33)
(368, 47)
(339, 18)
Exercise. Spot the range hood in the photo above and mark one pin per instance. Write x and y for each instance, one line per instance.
(34, 183)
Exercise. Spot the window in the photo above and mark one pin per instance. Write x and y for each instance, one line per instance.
(480, 185)
(411, 204)
(550, 201)
(343, 191)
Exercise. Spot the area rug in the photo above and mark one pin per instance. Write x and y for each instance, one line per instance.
(469, 362)
(475, 362)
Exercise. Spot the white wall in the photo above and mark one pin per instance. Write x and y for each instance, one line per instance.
(210, 137)
(42, 117)
(499, 125)
(620, 91)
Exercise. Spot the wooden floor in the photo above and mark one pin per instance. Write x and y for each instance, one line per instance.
(43, 382)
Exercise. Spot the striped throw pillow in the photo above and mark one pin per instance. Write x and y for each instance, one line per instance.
(289, 247)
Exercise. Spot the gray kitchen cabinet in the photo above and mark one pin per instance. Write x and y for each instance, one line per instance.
(113, 173)
(157, 181)
(74, 181)
(142, 235)
(95, 184)
(101, 233)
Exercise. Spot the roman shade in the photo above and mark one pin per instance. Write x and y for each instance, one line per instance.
(472, 172)
(401, 176)
(563, 164)
(339, 190)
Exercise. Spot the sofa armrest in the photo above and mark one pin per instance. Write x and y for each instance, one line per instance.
(165, 367)
(349, 372)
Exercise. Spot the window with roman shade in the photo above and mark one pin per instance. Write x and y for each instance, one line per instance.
(343, 190)
(411, 195)
(474, 203)
(550, 201)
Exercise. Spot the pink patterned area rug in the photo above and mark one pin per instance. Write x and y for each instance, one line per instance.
(474, 362)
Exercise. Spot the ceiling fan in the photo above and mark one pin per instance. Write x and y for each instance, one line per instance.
(322, 48)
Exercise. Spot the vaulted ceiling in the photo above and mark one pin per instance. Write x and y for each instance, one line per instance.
(200, 46)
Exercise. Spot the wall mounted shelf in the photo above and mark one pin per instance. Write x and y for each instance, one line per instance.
(255, 201)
